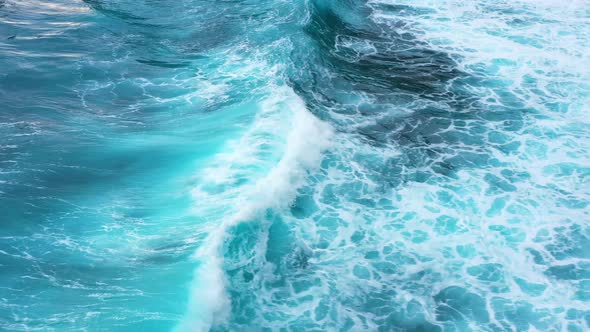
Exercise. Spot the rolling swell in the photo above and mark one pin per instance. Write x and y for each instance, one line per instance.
(400, 92)
(374, 58)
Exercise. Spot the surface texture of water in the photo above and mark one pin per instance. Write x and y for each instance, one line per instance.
(308, 165)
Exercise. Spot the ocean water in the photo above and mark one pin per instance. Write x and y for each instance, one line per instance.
(307, 165)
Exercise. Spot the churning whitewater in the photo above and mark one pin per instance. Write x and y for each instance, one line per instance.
(307, 165)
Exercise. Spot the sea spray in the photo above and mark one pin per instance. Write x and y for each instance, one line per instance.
(283, 120)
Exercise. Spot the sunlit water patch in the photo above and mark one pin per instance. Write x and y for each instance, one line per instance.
(309, 165)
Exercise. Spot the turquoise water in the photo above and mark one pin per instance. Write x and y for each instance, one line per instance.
(240, 165)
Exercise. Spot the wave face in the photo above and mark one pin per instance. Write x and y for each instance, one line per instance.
(313, 165)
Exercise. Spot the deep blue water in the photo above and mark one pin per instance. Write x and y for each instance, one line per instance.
(314, 165)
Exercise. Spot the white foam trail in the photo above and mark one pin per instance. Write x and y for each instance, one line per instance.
(284, 142)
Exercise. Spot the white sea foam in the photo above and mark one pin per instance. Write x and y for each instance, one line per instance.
(548, 49)
(407, 243)
(261, 170)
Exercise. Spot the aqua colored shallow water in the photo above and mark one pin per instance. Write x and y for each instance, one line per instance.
(382, 165)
